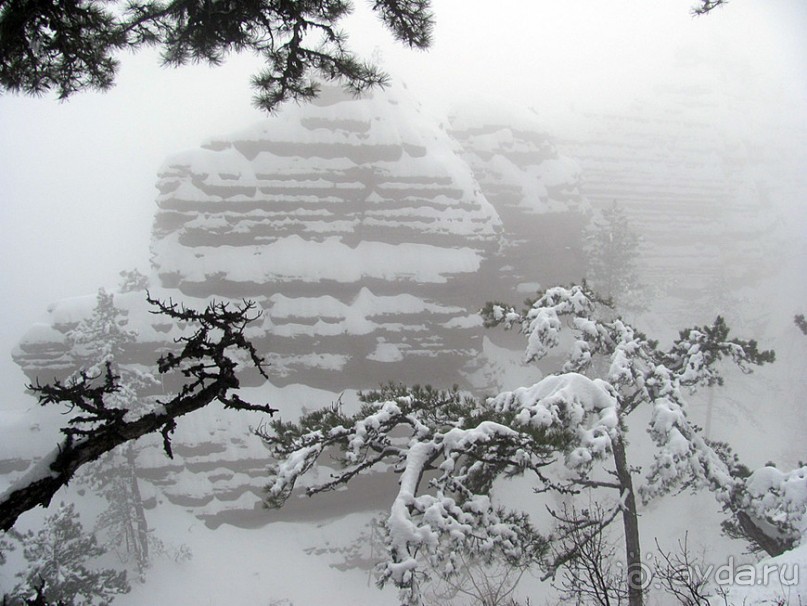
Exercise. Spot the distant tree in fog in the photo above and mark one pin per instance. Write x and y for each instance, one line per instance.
(612, 246)
(133, 281)
(100, 340)
(66, 47)
(60, 565)
(801, 323)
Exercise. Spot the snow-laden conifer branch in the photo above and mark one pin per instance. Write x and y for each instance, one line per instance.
(694, 355)
(638, 372)
(769, 507)
(449, 450)
(206, 359)
(778, 499)
(583, 410)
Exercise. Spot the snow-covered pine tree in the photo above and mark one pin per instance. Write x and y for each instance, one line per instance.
(100, 340)
(637, 373)
(123, 524)
(60, 559)
(777, 500)
(769, 507)
(449, 449)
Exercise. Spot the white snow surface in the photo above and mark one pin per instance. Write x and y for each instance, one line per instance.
(779, 580)
(293, 258)
(780, 497)
(568, 402)
(282, 564)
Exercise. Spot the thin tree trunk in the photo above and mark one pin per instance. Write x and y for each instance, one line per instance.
(142, 541)
(630, 520)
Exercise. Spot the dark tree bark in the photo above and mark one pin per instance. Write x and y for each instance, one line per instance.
(630, 519)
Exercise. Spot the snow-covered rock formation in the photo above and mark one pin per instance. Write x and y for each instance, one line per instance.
(535, 191)
(701, 174)
(367, 234)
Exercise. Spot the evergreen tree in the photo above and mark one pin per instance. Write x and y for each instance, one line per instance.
(53, 45)
(98, 341)
(133, 281)
(100, 338)
(102, 341)
(71, 46)
(123, 524)
(638, 374)
(436, 526)
(769, 507)
(612, 247)
(60, 558)
(578, 415)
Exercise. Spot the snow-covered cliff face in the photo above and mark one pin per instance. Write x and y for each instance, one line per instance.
(355, 225)
(368, 234)
(695, 180)
(535, 191)
(340, 191)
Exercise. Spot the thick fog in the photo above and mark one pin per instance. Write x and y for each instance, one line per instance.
(77, 178)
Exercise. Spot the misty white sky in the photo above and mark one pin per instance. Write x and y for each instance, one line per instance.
(77, 178)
